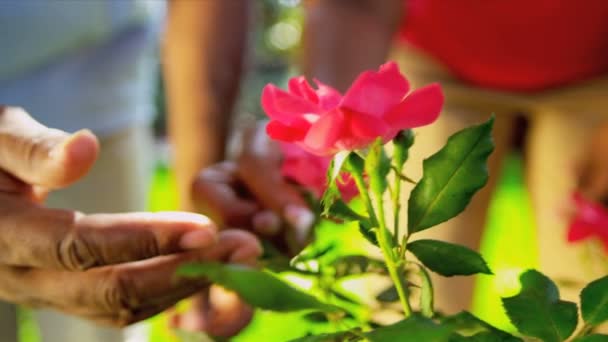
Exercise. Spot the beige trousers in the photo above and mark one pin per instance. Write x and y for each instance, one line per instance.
(561, 120)
(118, 182)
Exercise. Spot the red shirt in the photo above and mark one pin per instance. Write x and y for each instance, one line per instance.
(520, 45)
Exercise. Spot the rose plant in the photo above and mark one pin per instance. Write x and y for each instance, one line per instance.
(334, 145)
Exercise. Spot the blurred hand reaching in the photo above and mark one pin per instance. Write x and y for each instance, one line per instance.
(251, 193)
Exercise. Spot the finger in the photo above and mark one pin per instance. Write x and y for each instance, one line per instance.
(114, 295)
(260, 170)
(217, 312)
(215, 193)
(15, 187)
(235, 246)
(46, 238)
(40, 155)
(11, 185)
(266, 223)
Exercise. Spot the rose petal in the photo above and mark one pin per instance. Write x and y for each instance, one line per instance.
(579, 230)
(421, 107)
(366, 127)
(299, 86)
(329, 98)
(324, 133)
(278, 131)
(348, 188)
(302, 172)
(375, 93)
(310, 171)
(283, 106)
(591, 220)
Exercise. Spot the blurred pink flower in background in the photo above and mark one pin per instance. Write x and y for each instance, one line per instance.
(310, 171)
(590, 221)
(323, 122)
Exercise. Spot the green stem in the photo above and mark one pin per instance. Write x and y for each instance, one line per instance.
(360, 183)
(389, 256)
(396, 207)
(384, 241)
(403, 247)
(585, 330)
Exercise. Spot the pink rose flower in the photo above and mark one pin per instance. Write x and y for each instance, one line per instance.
(589, 221)
(310, 171)
(323, 122)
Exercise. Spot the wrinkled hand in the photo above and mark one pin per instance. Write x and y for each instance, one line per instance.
(110, 268)
(251, 193)
(593, 170)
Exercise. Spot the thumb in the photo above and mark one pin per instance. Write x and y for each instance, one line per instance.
(42, 156)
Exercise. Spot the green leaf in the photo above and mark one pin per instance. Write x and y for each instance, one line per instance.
(388, 295)
(312, 252)
(258, 288)
(413, 329)
(312, 202)
(316, 317)
(537, 310)
(365, 227)
(333, 337)
(354, 163)
(322, 317)
(402, 143)
(427, 307)
(344, 296)
(357, 264)
(594, 302)
(191, 336)
(377, 167)
(485, 336)
(471, 328)
(340, 210)
(593, 338)
(448, 259)
(283, 264)
(451, 177)
(332, 193)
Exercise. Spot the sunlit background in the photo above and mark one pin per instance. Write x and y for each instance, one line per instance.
(274, 45)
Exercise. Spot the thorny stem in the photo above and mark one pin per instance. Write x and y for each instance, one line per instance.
(383, 240)
(360, 182)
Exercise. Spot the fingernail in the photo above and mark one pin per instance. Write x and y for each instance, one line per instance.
(199, 220)
(247, 254)
(87, 146)
(266, 222)
(301, 219)
(197, 239)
